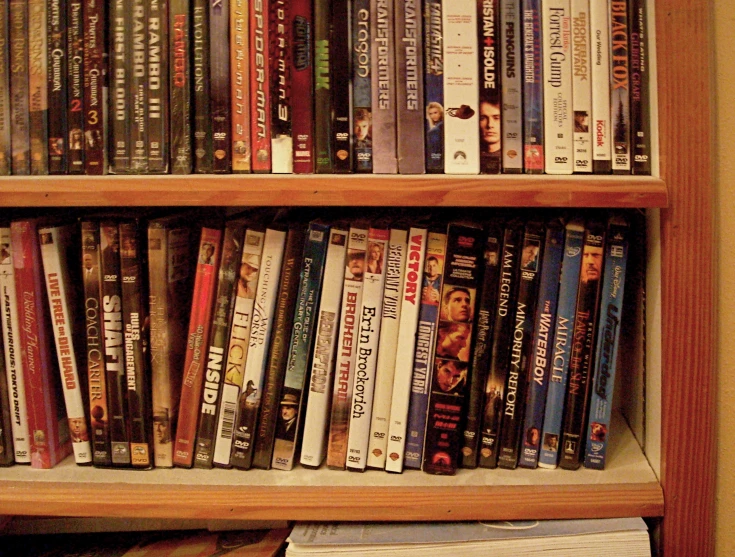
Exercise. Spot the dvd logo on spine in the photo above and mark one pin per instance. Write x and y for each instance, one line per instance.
(560, 160)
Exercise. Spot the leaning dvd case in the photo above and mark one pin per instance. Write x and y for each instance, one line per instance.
(60, 255)
(608, 340)
(293, 396)
(321, 376)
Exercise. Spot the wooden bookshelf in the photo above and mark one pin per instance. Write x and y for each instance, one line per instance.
(627, 487)
(336, 190)
(678, 487)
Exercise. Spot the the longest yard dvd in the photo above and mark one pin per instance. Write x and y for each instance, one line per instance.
(608, 339)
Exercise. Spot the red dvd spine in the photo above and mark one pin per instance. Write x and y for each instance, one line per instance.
(199, 324)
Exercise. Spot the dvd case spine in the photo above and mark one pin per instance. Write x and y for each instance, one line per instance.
(201, 86)
(302, 81)
(19, 86)
(406, 343)
(99, 415)
(75, 88)
(59, 251)
(58, 56)
(264, 313)
(293, 399)
(209, 403)
(490, 77)
(451, 361)
(120, 104)
(581, 359)
(562, 344)
(95, 87)
(135, 326)
(581, 85)
(426, 333)
(322, 87)
(280, 87)
(369, 322)
(260, 99)
(316, 420)
(38, 84)
(600, 76)
(158, 92)
(203, 298)
(385, 58)
(114, 342)
(494, 395)
(362, 99)
(608, 340)
(434, 86)
(11, 344)
(237, 351)
(240, 85)
(640, 92)
(179, 57)
(620, 86)
(539, 364)
(409, 86)
(344, 366)
(388, 347)
(483, 335)
(220, 91)
(461, 88)
(511, 124)
(139, 83)
(533, 89)
(341, 101)
(557, 56)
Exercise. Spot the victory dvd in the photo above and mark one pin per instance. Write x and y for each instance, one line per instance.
(431, 284)
(401, 392)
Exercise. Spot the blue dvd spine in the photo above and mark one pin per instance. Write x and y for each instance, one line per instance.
(562, 344)
(608, 340)
(540, 362)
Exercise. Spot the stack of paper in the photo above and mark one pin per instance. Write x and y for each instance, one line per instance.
(615, 537)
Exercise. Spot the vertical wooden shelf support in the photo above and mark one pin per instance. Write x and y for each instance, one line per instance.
(688, 428)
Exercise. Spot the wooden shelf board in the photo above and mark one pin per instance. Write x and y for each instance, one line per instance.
(628, 487)
(335, 190)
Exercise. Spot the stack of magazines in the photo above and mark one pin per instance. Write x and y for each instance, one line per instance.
(618, 537)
